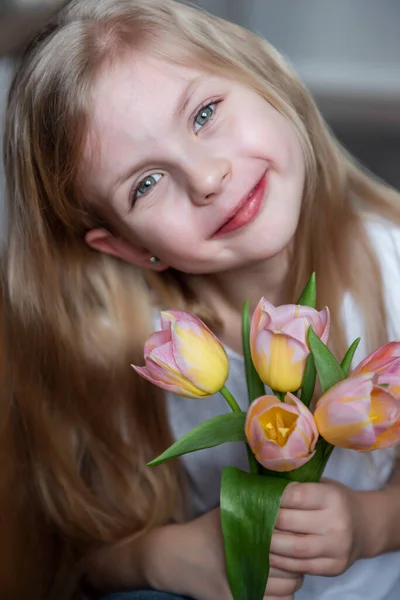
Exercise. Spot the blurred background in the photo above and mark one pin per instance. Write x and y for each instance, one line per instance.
(347, 52)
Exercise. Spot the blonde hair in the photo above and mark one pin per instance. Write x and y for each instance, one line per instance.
(78, 425)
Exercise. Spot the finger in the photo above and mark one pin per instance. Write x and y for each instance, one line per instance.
(291, 597)
(300, 521)
(304, 496)
(297, 546)
(305, 566)
(283, 587)
(278, 573)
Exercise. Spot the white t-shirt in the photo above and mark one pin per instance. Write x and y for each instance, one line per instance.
(369, 579)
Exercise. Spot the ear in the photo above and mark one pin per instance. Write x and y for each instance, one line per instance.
(103, 241)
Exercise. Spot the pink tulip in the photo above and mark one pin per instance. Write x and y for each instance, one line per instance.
(281, 435)
(278, 342)
(185, 357)
(385, 363)
(359, 414)
(379, 360)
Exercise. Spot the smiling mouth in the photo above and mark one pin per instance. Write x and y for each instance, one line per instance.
(247, 210)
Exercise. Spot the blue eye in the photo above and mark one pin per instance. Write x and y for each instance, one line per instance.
(147, 184)
(204, 116)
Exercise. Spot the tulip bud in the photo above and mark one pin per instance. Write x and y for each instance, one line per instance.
(185, 357)
(278, 342)
(358, 414)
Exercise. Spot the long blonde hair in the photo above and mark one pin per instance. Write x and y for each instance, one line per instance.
(77, 425)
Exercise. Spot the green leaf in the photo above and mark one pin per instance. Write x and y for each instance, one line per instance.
(329, 370)
(255, 387)
(309, 295)
(346, 362)
(309, 377)
(249, 507)
(215, 431)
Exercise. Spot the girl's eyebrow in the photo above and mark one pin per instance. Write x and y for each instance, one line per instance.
(187, 94)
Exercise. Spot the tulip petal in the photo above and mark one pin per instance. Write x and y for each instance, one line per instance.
(378, 361)
(354, 434)
(279, 360)
(174, 389)
(172, 316)
(388, 439)
(325, 317)
(309, 426)
(266, 307)
(158, 338)
(281, 315)
(283, 465)
(200, 356)
(353, 388)
(342, 413)
(303, 318)
(258, 319)
(297, 329)
(390, 377)
(255, 422)
(162, 366)
(385, 410)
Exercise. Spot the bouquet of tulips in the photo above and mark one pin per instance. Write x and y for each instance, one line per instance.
(284, 348)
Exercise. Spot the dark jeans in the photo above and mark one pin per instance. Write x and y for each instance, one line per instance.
(143, 595)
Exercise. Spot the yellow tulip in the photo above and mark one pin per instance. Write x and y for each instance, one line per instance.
(185, 357)
(278, 342)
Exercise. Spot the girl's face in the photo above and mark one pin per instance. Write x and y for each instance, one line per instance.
(197, 170)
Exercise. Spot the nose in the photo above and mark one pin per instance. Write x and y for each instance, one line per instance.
(207, 178)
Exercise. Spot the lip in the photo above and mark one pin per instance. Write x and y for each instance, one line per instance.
(247, 209)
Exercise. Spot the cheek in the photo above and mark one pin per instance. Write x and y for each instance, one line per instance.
(165, 232)
(266, 134)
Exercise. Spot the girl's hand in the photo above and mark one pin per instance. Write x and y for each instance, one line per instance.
(282, 585)
(321, 529)
(189, 560)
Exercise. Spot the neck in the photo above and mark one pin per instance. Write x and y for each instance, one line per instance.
(226, 292)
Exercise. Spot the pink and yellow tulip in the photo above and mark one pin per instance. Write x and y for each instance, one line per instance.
(385, 363)
(281, 435)
(185, 357)
(359, 414)
(278, 342)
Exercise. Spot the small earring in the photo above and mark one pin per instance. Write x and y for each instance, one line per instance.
(154, 260)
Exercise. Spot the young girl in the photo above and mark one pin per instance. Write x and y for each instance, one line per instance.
(158, 157)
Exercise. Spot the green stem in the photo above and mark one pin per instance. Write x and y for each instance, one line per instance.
(280, 395)
(230, 400)
(253, 464)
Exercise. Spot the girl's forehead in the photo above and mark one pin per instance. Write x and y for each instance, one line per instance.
(142, 91)
(145, 70)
